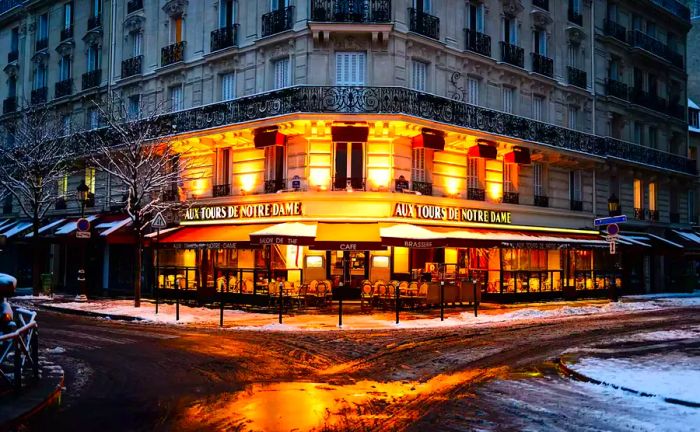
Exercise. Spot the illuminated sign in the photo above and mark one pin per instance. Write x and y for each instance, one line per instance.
(243, 211)
(451, 214)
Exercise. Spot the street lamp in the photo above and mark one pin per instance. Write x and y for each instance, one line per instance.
(613, 206)
(82, 196)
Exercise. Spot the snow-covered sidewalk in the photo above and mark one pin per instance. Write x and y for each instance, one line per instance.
(243, 320)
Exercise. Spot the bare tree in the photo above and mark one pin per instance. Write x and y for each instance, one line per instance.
(133, 149)
(35, 155)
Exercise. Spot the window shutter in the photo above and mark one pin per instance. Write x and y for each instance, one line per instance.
(472, 91)
(228, 89)
(138, 43)
(350, 68)
(419, 75)
(281, 73)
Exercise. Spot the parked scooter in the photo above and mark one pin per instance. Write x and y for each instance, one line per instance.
(8, 284)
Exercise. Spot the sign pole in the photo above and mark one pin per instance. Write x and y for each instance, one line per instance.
(157, 267)
(442, 300)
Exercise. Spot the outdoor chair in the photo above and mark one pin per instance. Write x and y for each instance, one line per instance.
(366, 295)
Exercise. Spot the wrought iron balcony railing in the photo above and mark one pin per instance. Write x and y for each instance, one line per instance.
(351, 11)
(224, 37)
(343, 183)
(541, 201)
(675, 217)
(12, 56)
(577, 77)
(424, 188)
(66, 33)
(277, 21)
(512, 54)
(654, 215)
(133, 6)
(63, 88)
(617, 89)
(647, 100)
(9, 104)
(639, 213)
(272, 186)
(172, 53)
(478, 42)
(94, 22)
(40, 95)
(92, 79)
(575, 16)
(576, 205)
(511, 198)
(476, 194)
(611, 28)
(221, 190)
(412, 103)
(132, 66)
(41, 44)
(542, 4)
(654, 46)
(542, 65)
(423, 23)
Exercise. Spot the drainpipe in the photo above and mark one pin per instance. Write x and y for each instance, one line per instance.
(593, 64)
(112, 42)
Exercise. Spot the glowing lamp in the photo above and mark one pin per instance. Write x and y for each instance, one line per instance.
(495, 191)
(379, 177)
(247, 182)
(452, 187)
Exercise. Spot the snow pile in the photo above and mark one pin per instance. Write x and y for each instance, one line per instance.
(30, 297)
(56, 350)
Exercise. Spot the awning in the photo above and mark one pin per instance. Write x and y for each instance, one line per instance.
(107, 228)
(412, 236)
(690, 237)
(348, 236)
(5, 223)
(16, 229)
(287, 233)
(521, 239)
(69, 227)
(47, 227)
(647, 240)
(210, 237)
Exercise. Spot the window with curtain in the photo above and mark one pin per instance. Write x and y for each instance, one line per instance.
(538, 108)
(420, 70)
(652, 196)
(93, 118)
(274, 163)
(475, 16)
(508, 96)
(136, 43)
(473, 91)
(573, 51)
(68, 15)
(39, 76)
(223, 166)
(540, 42)
(43, 27)
(66, 122)
(176, 98)
(64, 68)
(228, 86)
(350, 68)
(510, 177)
(349, 164)
(176, 27)
(510, 30)
(281, 73)
(227, 13)
(134, 106)
(93, 58)
(476, 172)
(573, 117)
(421, 165)
(638, 192)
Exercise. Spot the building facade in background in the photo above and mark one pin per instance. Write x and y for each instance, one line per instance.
(376, 140)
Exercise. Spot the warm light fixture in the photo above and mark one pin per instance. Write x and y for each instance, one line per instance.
(319, 178)
(247, 182)
(452, 186)
(379, 177)
(495, 191)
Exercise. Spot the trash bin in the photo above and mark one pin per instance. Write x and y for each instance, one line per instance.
(47, 283)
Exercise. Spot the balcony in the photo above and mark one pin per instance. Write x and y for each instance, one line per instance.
(512, 54)
(424, 188)
(542, 4)
(675, 217)
(277, 21)
(423, 23)
(639, 213)
(12, 56)
(66, 33)
(133, 6)
(351, 11)
(675, 8)
(221, 190)
(345, 183)
(63, 88)
(94, 22)
(647, 100)
(41, 44)
(611, 28)
(92, 79)
(511, 198)
(9, 105)
(541, 201)
(476, 194)
(576, 77)
(616, 89)
(132, 66)
(654, 46)
(40, 95)
(576, 205)
(272, 186)
(654, 215)
(224, 37)
(172, 53)
(478, 42)
(61, 203)
(575, 16)
(542, 65)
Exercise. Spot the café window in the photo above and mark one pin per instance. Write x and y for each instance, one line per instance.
(223, 166)
(421, 165)
(349, 165)
(274, 168)
(314, 261)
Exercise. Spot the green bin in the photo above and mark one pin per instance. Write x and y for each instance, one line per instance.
(47, 283)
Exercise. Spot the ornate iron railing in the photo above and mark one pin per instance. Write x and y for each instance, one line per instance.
(63, 88)
(172, 53)
(541, 201)
(617, 89)
(12, 56)
(577, 77)
(675, 8)
(39, 95)
(351, 11)
(576, 205)
(423, 23)
(512, 54)
(66, 33)
(41, 44)
(9, 104)
(542, 4)
(92, 79)
(224, 37)
(478, 42)
(401, 100)
(575, 16)
(640, 40)
(511, 198)
(424, 188)
(133, 6)
(342, 183)
(639, 213)
(647, 100)
(542, 65)
(132, 66)
(278, 21)
(94, 22)
(274, 185)
(476, 194)
(221, 190)
(611, 28)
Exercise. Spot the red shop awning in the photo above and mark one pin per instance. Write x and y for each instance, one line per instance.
(209, 237)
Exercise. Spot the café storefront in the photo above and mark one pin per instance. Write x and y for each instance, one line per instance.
(346, 241)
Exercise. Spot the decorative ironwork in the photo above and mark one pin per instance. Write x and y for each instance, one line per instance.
(576, 205)
(577, 77)
(654, 215)
(221, 190)
(476, 194)
(132, 66)
(424, 188)
(9, 105)
(61, 204)
(41, 44)
(277, 21)
(511, 198)
(272, 186)
(646, 99)
(351, 11)
(512, 54)
(675, 8)
(542, 65)
(575, 16)
(541, 201)
(542, 4)
(639, 213)
(172, 53)
(399, 100)
(40, 95)
(611, 28)
(478, 42)
(92, 79)
(133, 6)
(423, 23)
(224, 37)
(66, 33)
(675, 217)
(63, 88)
(617, 89)
(94, 22)
(12, 56)
(343, 183)
(654, 46)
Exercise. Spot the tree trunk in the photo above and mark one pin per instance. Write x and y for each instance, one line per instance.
(137, 282)
(36, 256)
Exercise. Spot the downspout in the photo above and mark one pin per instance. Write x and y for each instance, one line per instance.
(112, 42)
(593, 77)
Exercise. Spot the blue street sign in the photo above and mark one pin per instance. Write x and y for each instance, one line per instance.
(609, 220)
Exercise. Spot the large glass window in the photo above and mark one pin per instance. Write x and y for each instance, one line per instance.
(349, 165)
(475, 16)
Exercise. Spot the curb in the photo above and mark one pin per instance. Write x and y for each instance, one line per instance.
(570, 373)
(53, 398)
(89, 313)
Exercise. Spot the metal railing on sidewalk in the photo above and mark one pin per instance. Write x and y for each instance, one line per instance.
(19, 351)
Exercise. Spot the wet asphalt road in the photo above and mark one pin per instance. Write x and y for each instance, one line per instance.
(138, 377)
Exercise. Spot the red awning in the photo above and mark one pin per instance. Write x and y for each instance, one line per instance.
(483, 151)
(210, 237)
(521, 239)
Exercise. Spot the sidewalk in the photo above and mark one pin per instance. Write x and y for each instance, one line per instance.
(314, 320)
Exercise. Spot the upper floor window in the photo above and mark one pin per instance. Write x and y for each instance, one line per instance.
(638, 194)
(637, 135)
(575, 6)
(223, 166)
(64, 68)
(95, 8)
(40, 76)
(281, 73)
(539, 179)
(510, 30)
(653, 136)
(177, 100)
(476, 172)
(43, 27)
(510, 177)
(93, 122)
(134, 107)
(228, 86)
(227, 13)
(538, 108)
(63, 186)
(473, 91)
(540, 42)
(423, 5)
(694, 118)
(274, 167)
(692, 215)
(12, 86)
(176, 27)
(422, 165)
(651, 29)
(612, 12)
(418, 80)
(508, 97)
(278, 4)
(475, 16)
(573, 52)
(576, 186)
(652, 196)
(68, 15)
(90, 179)
(350, 68)
(614, 71)
(136, 43)
(14, 39)
(573, 117)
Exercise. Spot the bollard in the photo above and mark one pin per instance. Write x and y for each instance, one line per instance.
(221, 310)
(442, 300)
(476, 304)
(281, 285)
(177, 300)
(340, 305)
(398, 294)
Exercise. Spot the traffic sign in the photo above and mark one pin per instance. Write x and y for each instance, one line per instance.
(613, 229)
(613, 248)
(609, 220)
(83, 234)
(158, 221)
(83, 225)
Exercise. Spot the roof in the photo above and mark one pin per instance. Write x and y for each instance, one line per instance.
(692, 104)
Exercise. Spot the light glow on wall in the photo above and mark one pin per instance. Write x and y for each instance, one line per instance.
(319, 178)
(200, 187)
(379, 177)
(495, 191)
(452, 186)
(247, 182)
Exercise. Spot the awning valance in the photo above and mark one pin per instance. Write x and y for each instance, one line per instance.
(287, 233)
(210, 237)
(16, 228)
(348, 236)
(412, 236)
(521, 239)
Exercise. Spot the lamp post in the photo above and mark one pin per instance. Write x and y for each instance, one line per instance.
(82, 196)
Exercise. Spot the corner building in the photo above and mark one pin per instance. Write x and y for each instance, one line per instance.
(395, 140)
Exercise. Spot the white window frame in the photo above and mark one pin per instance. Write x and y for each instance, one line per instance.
(421, 164)
(136, 43)
(572, 117)
(508, 99)
(350, 68)
(511, 23)
(539, 178)
(280, 73)
(476, 8)
(473, 91)
(510, 177)
(576, 185)
(131, 112)
(540, 43)
(419, 76)
(476, 172)
(177, 98)
(228, 86)
(538, 107)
